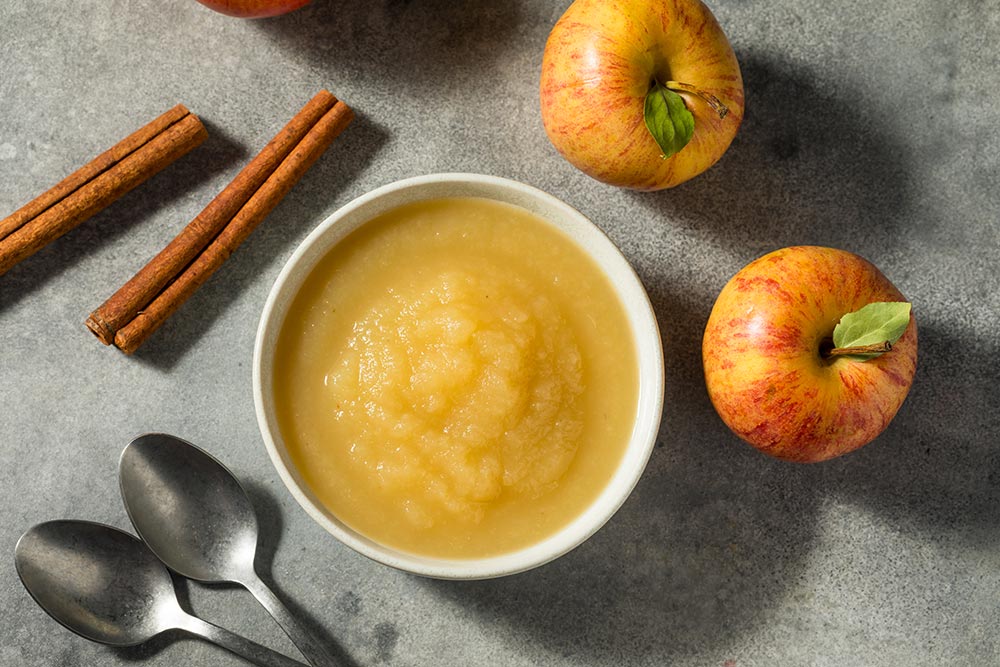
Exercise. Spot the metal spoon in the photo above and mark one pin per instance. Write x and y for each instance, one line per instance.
(195, 516)
(105, 585)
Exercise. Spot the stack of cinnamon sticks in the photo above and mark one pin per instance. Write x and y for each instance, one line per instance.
(136, 310)
(145, 302)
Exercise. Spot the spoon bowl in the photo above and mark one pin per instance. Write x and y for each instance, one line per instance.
(188, 508)
(99, 582)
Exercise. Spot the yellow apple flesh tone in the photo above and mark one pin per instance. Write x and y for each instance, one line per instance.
(766, 373)
(600, 60)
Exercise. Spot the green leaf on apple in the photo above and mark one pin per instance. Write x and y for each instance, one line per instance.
(668, 119)
(876, 323)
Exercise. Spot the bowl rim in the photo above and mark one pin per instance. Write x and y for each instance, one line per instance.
(645, 332)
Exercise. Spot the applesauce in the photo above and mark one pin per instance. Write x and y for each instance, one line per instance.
(456, 378)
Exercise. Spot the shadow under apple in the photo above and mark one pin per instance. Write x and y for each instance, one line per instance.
(811, 164)
(416, 45)
(936, 469)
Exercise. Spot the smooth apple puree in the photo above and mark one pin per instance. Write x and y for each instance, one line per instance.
(457, 378)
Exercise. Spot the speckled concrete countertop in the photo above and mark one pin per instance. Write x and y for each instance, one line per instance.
(870, 126)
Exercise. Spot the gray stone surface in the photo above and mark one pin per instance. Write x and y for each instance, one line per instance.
(870, 126)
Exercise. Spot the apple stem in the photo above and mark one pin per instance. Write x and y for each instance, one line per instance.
(876, 348)
(710, 99)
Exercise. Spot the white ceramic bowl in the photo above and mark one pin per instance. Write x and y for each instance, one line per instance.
(593, 241)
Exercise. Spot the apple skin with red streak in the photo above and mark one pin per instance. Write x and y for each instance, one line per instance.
(765, 373)
(254, 9)
(599, 62)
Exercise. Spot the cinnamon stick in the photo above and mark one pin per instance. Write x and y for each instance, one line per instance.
(143, 304)
(97, 184)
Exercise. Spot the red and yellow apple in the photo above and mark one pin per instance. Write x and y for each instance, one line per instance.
(254, 9)
(602, 59)
(766, 355)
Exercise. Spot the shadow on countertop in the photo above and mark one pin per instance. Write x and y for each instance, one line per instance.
(936, 469)
(716, 535)
(417, 45)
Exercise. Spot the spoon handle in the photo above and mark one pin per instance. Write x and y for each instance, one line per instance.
(241, 646)
(312, 649)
